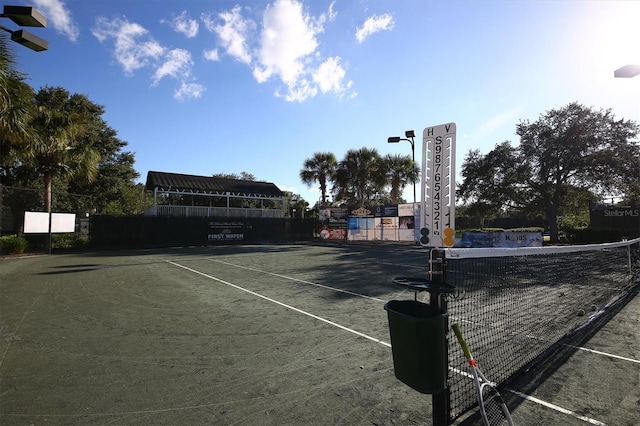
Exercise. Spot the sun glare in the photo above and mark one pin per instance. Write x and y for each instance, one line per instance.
(616, 35)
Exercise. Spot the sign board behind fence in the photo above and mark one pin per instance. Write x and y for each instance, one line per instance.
(38, 222)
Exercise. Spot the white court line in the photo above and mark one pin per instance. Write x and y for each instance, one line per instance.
(529, 336)
(537, 400)
(593, 351)
(357, 333)
(342, 327)
(383, 301)
(557, 408)
(298, 280)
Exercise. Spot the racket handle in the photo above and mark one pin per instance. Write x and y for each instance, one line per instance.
(463, 344)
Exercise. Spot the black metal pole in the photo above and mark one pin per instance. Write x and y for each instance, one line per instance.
(441, 402)
(50, 242)
(413, 157)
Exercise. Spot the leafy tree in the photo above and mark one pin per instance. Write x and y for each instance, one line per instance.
(239, 202)
(360, 176)
(493, 183)
(290, 200)
(115, 178)
(400, 172)
(574, 213)
(15, 102)
(57, 150)
(569, 154)
(296, 205)
(320, 168)
(74, 150)
(241, 176)
(15, 107)
(579, 147)
(131, 202)
(113, 189)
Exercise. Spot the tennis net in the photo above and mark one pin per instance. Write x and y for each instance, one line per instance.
(516, 305)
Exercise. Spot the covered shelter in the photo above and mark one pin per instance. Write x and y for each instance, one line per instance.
(180, 195)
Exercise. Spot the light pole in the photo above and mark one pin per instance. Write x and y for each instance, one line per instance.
(25, 16)
(409, 135)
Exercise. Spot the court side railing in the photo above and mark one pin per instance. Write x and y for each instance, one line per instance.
(202, 211)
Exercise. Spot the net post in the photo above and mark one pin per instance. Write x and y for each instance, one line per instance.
(50, 208)
(441, 401)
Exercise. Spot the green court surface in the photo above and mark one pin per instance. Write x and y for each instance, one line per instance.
(255, 335)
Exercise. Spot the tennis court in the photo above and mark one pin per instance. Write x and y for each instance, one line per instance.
(256, 335)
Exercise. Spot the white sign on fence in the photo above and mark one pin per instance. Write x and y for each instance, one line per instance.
(38, 222)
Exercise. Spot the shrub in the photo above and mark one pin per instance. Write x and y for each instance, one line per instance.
(596, 235)
(482, 230)
(69, 241)
(527, 229)
(13, 244)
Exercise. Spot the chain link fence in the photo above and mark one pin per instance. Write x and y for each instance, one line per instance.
(14, 202)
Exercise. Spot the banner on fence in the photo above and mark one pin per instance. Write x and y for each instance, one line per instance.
(38, 222)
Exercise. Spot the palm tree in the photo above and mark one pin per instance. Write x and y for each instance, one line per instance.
(361, 175)
(15, 102)
(57, 149)
(320, 168)
(401, 171)
(7, 70)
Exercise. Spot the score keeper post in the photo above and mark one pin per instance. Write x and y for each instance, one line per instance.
(438, 192)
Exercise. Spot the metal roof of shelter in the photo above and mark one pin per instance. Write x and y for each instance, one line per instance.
(191, 184)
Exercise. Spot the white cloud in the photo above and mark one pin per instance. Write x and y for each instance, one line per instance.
(134, 48)
(299, 91)
(288, 38)
(188, 91)
(183, 24)
(211, 55)
(332, 13)
(233, 33)
(330, 76)
(177, 63)
(373, 25)
(57, 14)
(285, 49)
(327, 17)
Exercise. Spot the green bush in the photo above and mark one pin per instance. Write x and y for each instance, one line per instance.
(594, 235)
(69, 241)
(13, 244)
(483, 230)
(527, 229)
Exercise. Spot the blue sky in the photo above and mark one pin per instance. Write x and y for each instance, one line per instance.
(203, 87)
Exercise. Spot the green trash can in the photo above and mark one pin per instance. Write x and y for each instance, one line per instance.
(418, 344)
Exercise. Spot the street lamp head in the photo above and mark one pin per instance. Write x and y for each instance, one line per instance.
(29, 40)
(627, 71)
(410, 134)
(393, 139)
(24, 16)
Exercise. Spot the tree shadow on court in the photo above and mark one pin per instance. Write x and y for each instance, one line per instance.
(368, 271)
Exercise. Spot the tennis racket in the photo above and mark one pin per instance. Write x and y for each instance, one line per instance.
(493, 410)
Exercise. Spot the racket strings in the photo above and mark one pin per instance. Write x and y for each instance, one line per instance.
(494, 407)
